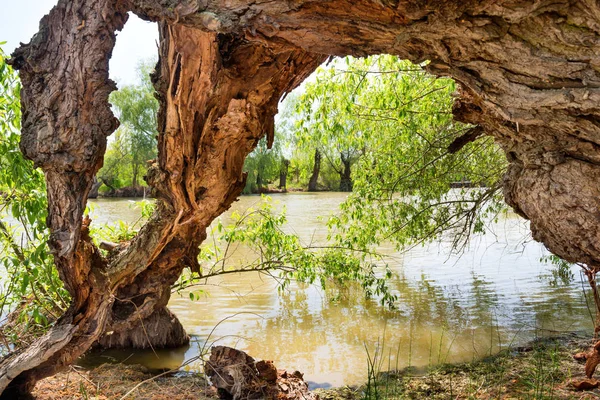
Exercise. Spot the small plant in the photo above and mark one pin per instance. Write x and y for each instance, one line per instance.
(285, 258)
(388, 383)
(372, 391)
(545, 374)
(83, 391)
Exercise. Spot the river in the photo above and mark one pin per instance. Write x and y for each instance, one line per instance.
(450, 308)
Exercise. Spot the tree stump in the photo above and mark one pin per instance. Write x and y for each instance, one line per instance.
(236, 376)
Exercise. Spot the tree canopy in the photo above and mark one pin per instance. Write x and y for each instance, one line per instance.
(394, 122)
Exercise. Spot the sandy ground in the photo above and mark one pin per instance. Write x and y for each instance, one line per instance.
(113, 381)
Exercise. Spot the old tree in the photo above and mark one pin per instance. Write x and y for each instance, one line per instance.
(529, 75)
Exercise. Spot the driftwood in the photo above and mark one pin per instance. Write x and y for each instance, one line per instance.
(592, 360)
(238, 376)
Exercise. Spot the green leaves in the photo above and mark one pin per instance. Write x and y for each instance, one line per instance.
(398, 120)
(135, 141)
(121, 231)
(392, 123)
(261, 231)
(262, 166)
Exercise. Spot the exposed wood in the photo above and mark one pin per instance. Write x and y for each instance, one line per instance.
(237, 375)
(592, 360)
(215, 106)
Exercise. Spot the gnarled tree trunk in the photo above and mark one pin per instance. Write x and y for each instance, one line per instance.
(528, 74)
(218, 95)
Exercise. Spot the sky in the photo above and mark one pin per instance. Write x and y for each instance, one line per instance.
(19, 21)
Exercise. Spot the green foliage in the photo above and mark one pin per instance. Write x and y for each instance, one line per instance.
(33, 288)
(263, 164)
(120, 231)
(392, 123)
(327, 124)
(543, 371)
(288, 141)
(561, 272)
(135, 141)
(398, 119)
(262, 167)
(284, 257)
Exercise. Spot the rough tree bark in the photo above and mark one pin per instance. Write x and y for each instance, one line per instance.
(528, 74)
(218, 95)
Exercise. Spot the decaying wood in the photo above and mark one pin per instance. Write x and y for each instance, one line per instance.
(585, 384)
(237, 375)
(528, 74)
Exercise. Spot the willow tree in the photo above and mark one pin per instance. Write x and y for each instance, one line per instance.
(413, 157)
(528, 76)
(329, 125)
(135, 141)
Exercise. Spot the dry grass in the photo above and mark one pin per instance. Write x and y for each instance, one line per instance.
(113, 381)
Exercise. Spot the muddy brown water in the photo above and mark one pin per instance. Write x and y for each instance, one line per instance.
(450, 308)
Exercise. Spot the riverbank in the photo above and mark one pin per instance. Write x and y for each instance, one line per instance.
(542, 369)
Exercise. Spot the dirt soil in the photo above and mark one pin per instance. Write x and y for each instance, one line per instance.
(113, 381)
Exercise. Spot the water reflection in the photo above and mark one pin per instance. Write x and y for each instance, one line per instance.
(449, 308)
